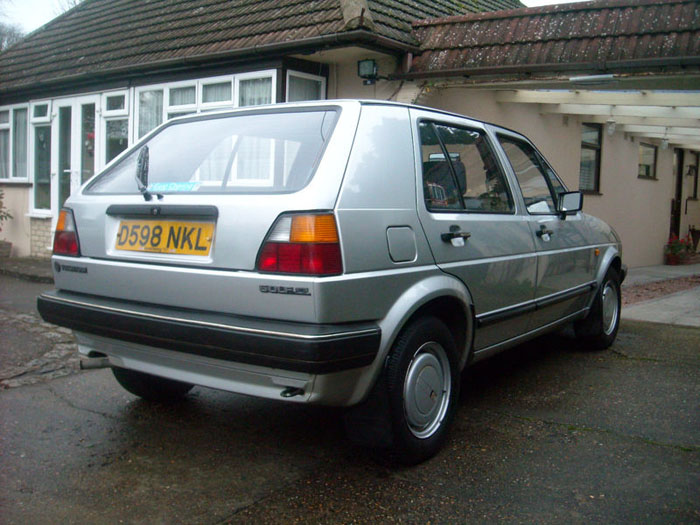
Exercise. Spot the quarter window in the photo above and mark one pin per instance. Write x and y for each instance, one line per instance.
(460, 171)
(589, 173)
(538, 183)
(647, 161)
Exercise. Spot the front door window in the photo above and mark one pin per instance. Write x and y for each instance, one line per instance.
(42, 167)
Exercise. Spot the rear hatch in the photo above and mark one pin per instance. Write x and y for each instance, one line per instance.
(180, 218)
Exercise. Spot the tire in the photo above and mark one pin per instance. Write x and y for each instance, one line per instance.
(599, 329)
(150, 387)
(422, 382)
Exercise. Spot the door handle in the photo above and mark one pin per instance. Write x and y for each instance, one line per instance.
(544, 231)
(455, 233)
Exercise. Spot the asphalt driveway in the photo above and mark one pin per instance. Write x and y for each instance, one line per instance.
(546, 432)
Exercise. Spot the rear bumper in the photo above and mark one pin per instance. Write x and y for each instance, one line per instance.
(295, 347)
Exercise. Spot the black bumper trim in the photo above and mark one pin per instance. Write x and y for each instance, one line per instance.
(298, 347)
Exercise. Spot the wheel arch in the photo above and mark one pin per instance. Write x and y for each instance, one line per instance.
(441, 296)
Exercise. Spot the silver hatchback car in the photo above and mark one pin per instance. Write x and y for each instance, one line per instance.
(348, 253)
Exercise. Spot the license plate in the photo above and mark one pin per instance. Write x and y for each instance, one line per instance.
(176, 237)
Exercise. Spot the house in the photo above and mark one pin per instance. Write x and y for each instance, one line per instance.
(607, 90)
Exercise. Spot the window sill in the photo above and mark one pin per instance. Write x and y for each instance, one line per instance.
(591, 192)
(15, 182)
(646, 178)
(39, 215)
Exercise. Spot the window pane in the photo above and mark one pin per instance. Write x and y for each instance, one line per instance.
(41, 111)
(150, 110)
(116, 102)
(590, 134)
(183, 96)
(87, 142)
(304, 89)
(530, 174)
(647, 161)
(479, 178)
(4, 153)
(4, 117)
(255, 91)
(440, 190)
(589, 170)
(179, 114)
(19, 143)
(272, 152)
(42, 167)
(117, 138)
(220, 92)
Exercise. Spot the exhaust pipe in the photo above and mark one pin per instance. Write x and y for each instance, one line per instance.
(91, 363)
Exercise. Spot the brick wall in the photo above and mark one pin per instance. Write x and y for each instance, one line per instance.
(41, 237)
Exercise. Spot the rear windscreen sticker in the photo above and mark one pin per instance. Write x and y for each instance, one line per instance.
(172, 187)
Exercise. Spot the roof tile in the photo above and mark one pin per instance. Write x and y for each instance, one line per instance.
(98, 36)
(597, 33)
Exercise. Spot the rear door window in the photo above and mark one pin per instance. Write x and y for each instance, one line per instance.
(460, 171)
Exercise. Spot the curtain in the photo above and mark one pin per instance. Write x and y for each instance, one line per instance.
(304, 89)
(220, 92)
(183, 96)
(255, 91)
(150, 110)
(4, 153)
(19, 143)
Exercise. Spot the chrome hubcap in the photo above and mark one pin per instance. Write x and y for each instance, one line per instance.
(610, 308)
(426, 390)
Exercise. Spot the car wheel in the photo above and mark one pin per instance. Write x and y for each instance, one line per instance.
(422, 382)
(150, 387)
(599, 329)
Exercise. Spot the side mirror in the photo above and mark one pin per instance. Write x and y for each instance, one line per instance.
(569, 203)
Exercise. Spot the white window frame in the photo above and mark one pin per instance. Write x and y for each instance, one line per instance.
(204, 106)
(115, 112)
(309, 76)
(137, 107)
(253, 75)
(173, 108)
(9, 126)
(40, 120)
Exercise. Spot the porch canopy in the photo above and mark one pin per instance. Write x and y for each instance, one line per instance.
(632, 64)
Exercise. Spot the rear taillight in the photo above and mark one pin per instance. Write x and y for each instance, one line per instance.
(65, 240)
(304, 244)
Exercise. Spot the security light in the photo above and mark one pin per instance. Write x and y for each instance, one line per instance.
(368, 71)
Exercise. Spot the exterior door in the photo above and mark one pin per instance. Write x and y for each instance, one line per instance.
(678, 193)
(475, 233)
(73, 159)
(565, 260)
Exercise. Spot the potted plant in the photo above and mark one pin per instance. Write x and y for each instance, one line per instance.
(677, 250)
(5, 246)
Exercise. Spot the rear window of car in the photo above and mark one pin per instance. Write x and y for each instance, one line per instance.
(271, 152)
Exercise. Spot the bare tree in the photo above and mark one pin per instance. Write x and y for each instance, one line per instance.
(65, 5)
(9, 34)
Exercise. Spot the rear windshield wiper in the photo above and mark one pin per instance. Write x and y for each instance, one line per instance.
(142, 175)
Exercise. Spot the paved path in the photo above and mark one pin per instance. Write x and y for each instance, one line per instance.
(678, 309)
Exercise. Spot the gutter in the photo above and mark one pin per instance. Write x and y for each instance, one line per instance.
(661, 62)
(360, 37)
